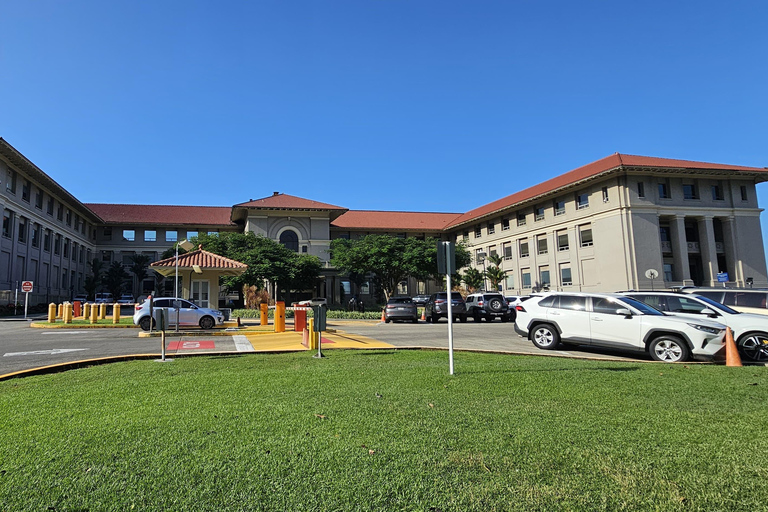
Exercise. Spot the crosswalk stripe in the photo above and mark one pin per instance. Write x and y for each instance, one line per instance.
(242, 344)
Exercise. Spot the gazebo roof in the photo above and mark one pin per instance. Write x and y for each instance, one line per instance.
(203, 259)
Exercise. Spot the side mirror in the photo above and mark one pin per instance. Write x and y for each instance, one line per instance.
(623, 312)
(709, 312)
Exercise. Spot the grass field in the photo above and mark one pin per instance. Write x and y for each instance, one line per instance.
(386, 430)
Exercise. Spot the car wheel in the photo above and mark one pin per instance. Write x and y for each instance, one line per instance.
(387, 320)
(489, 318)
(754, 346)
(475, 316)
(545, 336)
(207, 322)
(435, 318)
(463, 319)
(669, 349)
(145, 322)
(495, 305)
(504, 319)
(415, 320)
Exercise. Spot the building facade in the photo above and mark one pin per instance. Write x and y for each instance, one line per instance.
(600, 227)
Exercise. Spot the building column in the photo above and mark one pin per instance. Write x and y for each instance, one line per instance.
(729, 243)
(708, 248)
(679, 248)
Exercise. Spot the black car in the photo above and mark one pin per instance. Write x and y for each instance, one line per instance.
(401, 308)
(489, 306)
(421, 300)
(437, 307)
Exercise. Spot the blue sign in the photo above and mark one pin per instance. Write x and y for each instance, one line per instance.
(722, 277)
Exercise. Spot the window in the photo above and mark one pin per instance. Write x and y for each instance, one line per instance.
(491, 228)
(26, 190)
(565, 275)
(606, 305)
(150, 235)
(582, 201)
(478, 231)
(36, 235)
(562, 241)
(74, 252)
(127, 258)
(171, 236)
(544, 277)
(743, 193)
(664, 233)
(521, 219)
(559, 207)
(57, 245)
(290, 240)
(64, 279)
(525, 277)
(523, 249)
(191, 234)
(107, 233)
(510, 282)
(7, 223)
(69, 217)
(492, 251)
(664, 190)
(539, 211)
(49, 209)
(667, 271)
(22, 230)
(47, 241)
(60, 212)
(605, 194)
(213, 233)
(585, 233)
(106, 256)
(504, 223)
(541, 244)
(640, 189)
(129, 235)
(717, 193)
(39, 199)
(66, 247)
(77, 222)
(10, 181)
(573, 302)
(506, 248)
(690, 191)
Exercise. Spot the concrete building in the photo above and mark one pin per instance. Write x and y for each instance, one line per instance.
(600, 227)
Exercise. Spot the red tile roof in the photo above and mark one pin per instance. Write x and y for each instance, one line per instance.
(202, 258)
(157, 215)
(278, 201)
(592, 170)
(393, 221)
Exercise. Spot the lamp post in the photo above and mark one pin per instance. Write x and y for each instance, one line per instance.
(186, 245)
(481, 256)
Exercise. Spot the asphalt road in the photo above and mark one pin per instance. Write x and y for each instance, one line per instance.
(23, 348)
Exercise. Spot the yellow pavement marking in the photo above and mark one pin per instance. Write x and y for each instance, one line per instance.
(292, 341)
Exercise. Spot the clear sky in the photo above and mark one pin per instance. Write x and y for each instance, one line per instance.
(373, 104)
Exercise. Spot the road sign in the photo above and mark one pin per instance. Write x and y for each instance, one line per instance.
(722, 277)
(26, 286)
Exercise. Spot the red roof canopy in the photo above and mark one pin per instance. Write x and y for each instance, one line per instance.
(165, 215)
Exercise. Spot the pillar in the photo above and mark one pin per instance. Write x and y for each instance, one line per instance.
(731, 256)
(679, 248)
(708, 248)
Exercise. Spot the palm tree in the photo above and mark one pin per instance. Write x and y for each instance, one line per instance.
(494, 273)
(473, 279)
(139, 264)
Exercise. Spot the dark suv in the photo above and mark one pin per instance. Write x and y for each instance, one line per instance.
(489, 306)
(437, 307)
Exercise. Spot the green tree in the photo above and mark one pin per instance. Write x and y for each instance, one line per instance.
(114, 278)
(139, 265)
(494, 273)
(92, 281)
(472, 279)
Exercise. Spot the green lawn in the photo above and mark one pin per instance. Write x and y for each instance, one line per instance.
(386, 430)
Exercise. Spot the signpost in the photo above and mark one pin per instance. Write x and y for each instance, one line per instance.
(722, 277)
(26, 287)
(651, 274)
(446, 264)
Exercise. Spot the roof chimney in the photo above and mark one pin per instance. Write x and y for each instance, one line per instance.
(275, 193)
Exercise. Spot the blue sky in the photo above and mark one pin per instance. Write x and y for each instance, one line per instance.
(373, 104)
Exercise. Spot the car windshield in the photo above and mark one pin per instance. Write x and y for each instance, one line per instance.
(717, 305)
(400, 300)
(643, 307)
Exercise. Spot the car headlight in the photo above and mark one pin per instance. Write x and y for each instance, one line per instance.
(707, 329)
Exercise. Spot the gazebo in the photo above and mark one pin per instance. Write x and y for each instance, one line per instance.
(199, 272)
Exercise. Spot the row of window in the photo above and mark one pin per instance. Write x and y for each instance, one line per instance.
(543, 277)
(690, 190)
(542, 244)
(60, 243)
(558, 206)
(150, 235)
(63, 214)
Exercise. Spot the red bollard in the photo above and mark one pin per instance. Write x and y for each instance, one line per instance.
(77, 308)
(299, 320)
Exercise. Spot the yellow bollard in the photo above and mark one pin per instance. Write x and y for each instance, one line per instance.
(86, 311)
(116, 314)
(60, 311)
(280, 316)
(102, 311)
(264, 313)
(51, 313)
(312, 338)
(94, 314)
(67, 316)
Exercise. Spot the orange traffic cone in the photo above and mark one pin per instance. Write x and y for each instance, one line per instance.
(731, 352)
(383, 318)
(424, 315)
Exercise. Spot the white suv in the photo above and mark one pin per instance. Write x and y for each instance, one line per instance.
(749, 330)
(616, 321)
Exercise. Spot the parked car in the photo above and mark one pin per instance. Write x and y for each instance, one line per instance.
(105, 298)
(488, 306)
(400, 308)
(437, 307)
(746, 300)
(81, 298)
(189, 314)
(749, 330)
(421, 300)
(126, 298)
(619, 322)
(317, 301)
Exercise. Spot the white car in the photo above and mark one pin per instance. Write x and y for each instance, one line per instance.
(126, 298)
(105, 298)
(749, 330)
(189, 314)
(619, 322)
(317, 301)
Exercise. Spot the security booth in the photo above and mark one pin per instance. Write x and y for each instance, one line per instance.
(199, 272)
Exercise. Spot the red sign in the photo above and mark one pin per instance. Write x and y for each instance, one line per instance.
(26, 286)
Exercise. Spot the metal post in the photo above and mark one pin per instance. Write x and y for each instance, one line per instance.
(26, 303)
(450, 312)
(176, 282)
